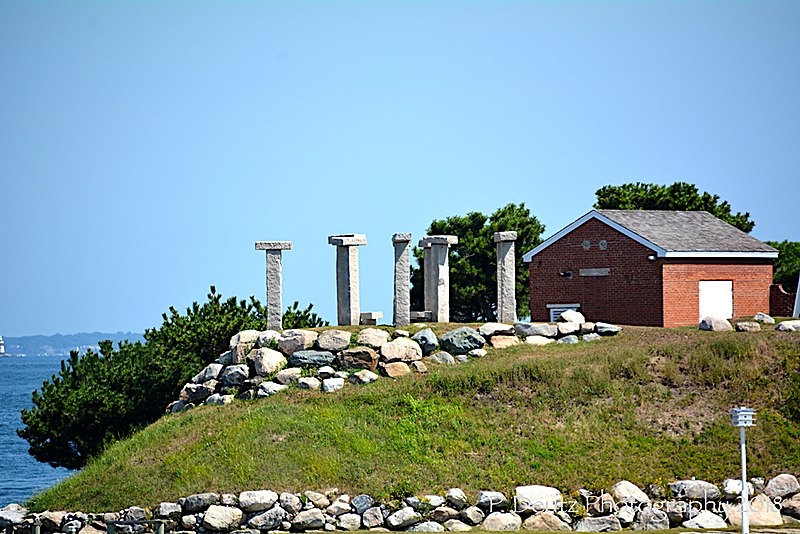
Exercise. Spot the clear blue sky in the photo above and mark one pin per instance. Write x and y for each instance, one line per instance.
(145, 146)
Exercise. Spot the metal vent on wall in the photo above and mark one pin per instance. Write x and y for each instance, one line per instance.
(558, 309)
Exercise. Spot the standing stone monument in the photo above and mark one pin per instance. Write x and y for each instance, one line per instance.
(402, 277)
(347, 294)
(796, 310)
(506, 277)
(436, 249)
(274, 251)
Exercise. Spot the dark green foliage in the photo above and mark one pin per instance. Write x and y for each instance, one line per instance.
(473, 263)
(787, 266)
(679, 196)
(99, 398)
(294, 317)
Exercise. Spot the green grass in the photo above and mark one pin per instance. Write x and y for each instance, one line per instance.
(649, 405)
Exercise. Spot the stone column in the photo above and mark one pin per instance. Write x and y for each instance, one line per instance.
(796, 310)
(402, 278)
(506, 277)
(428, 277)
(274, 250)
(347, 294)
(437, 279)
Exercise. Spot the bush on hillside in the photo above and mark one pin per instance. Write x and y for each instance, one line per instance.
(104, 396)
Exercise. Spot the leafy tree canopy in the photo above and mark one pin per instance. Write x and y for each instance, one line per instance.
(473, 262)
(787, 267)
(679, 196)
(104, 396)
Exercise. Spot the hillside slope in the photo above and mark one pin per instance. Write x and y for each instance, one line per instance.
(649, 405)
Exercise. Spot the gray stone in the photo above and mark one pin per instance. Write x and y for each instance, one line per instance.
(269, 520)
(492, 500)
(462, 358)
(788, 326)
(588, 328)
(198, 502)
(364, 376)
(496, 329)
(791, 507)
(344, 375)
(442, 358)
(716, 324)
(308, 519)
(747, 326)
(454, 525)
(326, 371)
(427, 526)
(195, 393)
(245, 336)
(14, 514)
(339, 507)
(705, 519)
(293, 340)
(290, 502)
(401, 349)
(226, 358)
(402, 275)
(472, 515)
(349, 522)
(362, 503)
(257, 501)
(569, 340)
(536, 329)
(333, 340)
(51, 521)
(732, 488)
(266, 361)
(501, 521)
(783, 485)
(436, 275)
(650, 518)
(405, 517)
(427, 340)
(317, 499)
(567, 329)
(457, 498)
(605, 329)
(539, 341)
(762, 512)
(396, 369)
(211, 372)
(699, 490)
(347, 289)
(191, 521)
(169, 510)
(267, 338)
(571, 316)
(222, 518)
(506, 276)
(606, 523)
(373, 338)
(329, 385)
(372, 517)
(266, 389)
(545, 522)
(228, 499)
(359, 358)
(309, 382)
(461, 340)
(628, 493)
(537, 498)
(311, 358)
(441, 514)
(401, 333)
(234, 375)
(590, 337)
(274, 251)
(626, 514)
(763, 318)
(419, 367)
(218, 400)
(477, 353)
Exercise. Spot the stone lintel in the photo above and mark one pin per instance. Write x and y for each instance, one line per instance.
(371, 315)
(505, 236)
(421, 315)
(273, 245)
(403, 237)
(438, 240)
(347, 240)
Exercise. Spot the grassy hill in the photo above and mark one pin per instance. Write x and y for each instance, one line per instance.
(649, 405)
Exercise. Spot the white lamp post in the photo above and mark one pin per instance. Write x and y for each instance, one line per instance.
(742, 418)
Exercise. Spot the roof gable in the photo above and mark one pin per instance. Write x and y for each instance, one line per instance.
(687, 234)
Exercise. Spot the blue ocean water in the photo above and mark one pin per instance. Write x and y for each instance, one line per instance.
(20, 475)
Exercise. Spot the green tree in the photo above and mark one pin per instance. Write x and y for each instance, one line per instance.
(473, 263)
(679, 196)
(294, 317)
(787, 267)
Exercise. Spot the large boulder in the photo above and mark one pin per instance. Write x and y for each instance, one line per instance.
(245, 336)
(454, 525)
(402, 349)
(705, 519)
(443, 358)
(195, 393)
(257, 501)
(291, 341)
(364, 376)
(359, 358)
(536, 329)
(492, 500)
(461, 340)
(715, 324)
(605, 329)
(545, 522)
(503, 342)
(267, 338)
(650, 518)
(289, 375)
(606, 523)
(234, 375)
(309, 382)
(396, 369)
(762, 512)
(267, 389)
(13, 515)
(222, 518)
(211, 372)
(569, 340)
(698, 490)
(348, 522)
(269, 520)
(362, 503)
(788, 326)
(472, 515)
(571, 316)
(290, 502)
(628, 493)
(309, 520)
(372, 517)
(783, 485)
(311, 358)
(403, 518)
(427, 526)
(537, 498)
(457, 498)
(198, 502)
(501, 521)
(329, 385)
(169, 510)
(373, 338)
(567, 329)
(266, 361)
(748, 326)
(496, 329)
(762, 317)
(333, 340)
(732, 488)
(791, 507)
(539, 341)
(427, 340)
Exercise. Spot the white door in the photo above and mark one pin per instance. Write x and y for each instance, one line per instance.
(716, 298)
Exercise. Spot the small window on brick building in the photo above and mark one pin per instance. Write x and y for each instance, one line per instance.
(603, 245)
(586, 244)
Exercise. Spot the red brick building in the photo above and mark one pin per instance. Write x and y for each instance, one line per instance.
(652, 268)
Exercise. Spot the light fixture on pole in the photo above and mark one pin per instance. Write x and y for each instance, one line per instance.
(742, 418)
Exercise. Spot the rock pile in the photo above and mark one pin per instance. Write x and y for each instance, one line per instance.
(260, 364)
(694, 504)
(720, 324)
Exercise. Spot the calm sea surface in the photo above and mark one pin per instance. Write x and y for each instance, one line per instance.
(20, 475)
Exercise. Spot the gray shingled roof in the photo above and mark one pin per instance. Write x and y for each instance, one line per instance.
(686, 231)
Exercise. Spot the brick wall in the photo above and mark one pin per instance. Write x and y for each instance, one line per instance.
(781, 303)
(633, 284)
(681, 276)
